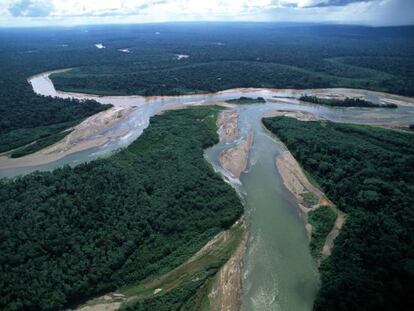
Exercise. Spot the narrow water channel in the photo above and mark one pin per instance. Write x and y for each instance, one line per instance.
(279, 271)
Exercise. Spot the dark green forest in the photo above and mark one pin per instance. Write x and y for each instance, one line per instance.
(159, 201)
(322, 221)
(246, 100)
(368, 173)
(223, 56)
(347, 102)
(24, 116)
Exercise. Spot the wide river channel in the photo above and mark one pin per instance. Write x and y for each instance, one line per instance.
(280, 273)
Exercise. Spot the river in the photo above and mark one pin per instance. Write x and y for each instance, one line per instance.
(279, 271)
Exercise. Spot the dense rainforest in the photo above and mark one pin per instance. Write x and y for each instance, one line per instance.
(243, 100)
(368, 173)
(347, 102)
(72, 233)
(224, 55)
(24, 116)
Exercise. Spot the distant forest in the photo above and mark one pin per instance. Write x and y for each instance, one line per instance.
(221, 56)
(346, 102)
(368, 172)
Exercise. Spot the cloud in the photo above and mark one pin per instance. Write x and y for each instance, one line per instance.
(337, 3)
(31, 8)
(69, 12)
(313, 3)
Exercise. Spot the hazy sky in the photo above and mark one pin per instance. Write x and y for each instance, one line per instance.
(72, 12)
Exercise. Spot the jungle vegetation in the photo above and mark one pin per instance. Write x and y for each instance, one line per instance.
(73, 233)
(368, 173)
(221, 56)
(224, 56)
(347, 102)
(246, 100)
(322, 221)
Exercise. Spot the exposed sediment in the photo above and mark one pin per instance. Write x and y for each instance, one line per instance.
(308, 196)
(227, 123)
(85, 135)
(298, 184)
(227, 291)
(300, 115)
(234, 160)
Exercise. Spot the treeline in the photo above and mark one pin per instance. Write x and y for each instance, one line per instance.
(76, 232)
(24, 116)
(347, 102)
(368, 173)
(243, 100)
(245, 55)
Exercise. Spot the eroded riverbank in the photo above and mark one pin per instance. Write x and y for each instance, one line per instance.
(308, 196)
(93, 132)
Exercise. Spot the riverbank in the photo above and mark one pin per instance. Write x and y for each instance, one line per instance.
(227, 290)
(227, 248)
(90, 133)
(308, 196)
(309, 199)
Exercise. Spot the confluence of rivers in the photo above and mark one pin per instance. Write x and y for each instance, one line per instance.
(279, 273)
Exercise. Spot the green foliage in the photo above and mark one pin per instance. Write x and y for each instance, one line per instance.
(243, 55)
(322, 221)
(246, 100)
(368, 173)
(180, 298)
(39, 144)
(310, 198)
(16, 138)
(199, 274)
(347, 102)
(72, 233)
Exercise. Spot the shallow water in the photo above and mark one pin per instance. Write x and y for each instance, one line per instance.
(279, 271)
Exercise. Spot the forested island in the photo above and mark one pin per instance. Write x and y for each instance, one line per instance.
(246, 100)
(367, 172)
(77, 232)
(347, 102)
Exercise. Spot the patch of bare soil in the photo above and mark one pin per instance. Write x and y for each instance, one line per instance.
(108, 302)
(227, 123)
(83, 136)
(300, 115)
(305, 192)
(234, 160)
(329, 242)
(226, 292)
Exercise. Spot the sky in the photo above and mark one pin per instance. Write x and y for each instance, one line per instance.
(29, 13)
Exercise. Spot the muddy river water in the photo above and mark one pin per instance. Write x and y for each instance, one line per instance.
(279, 273)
